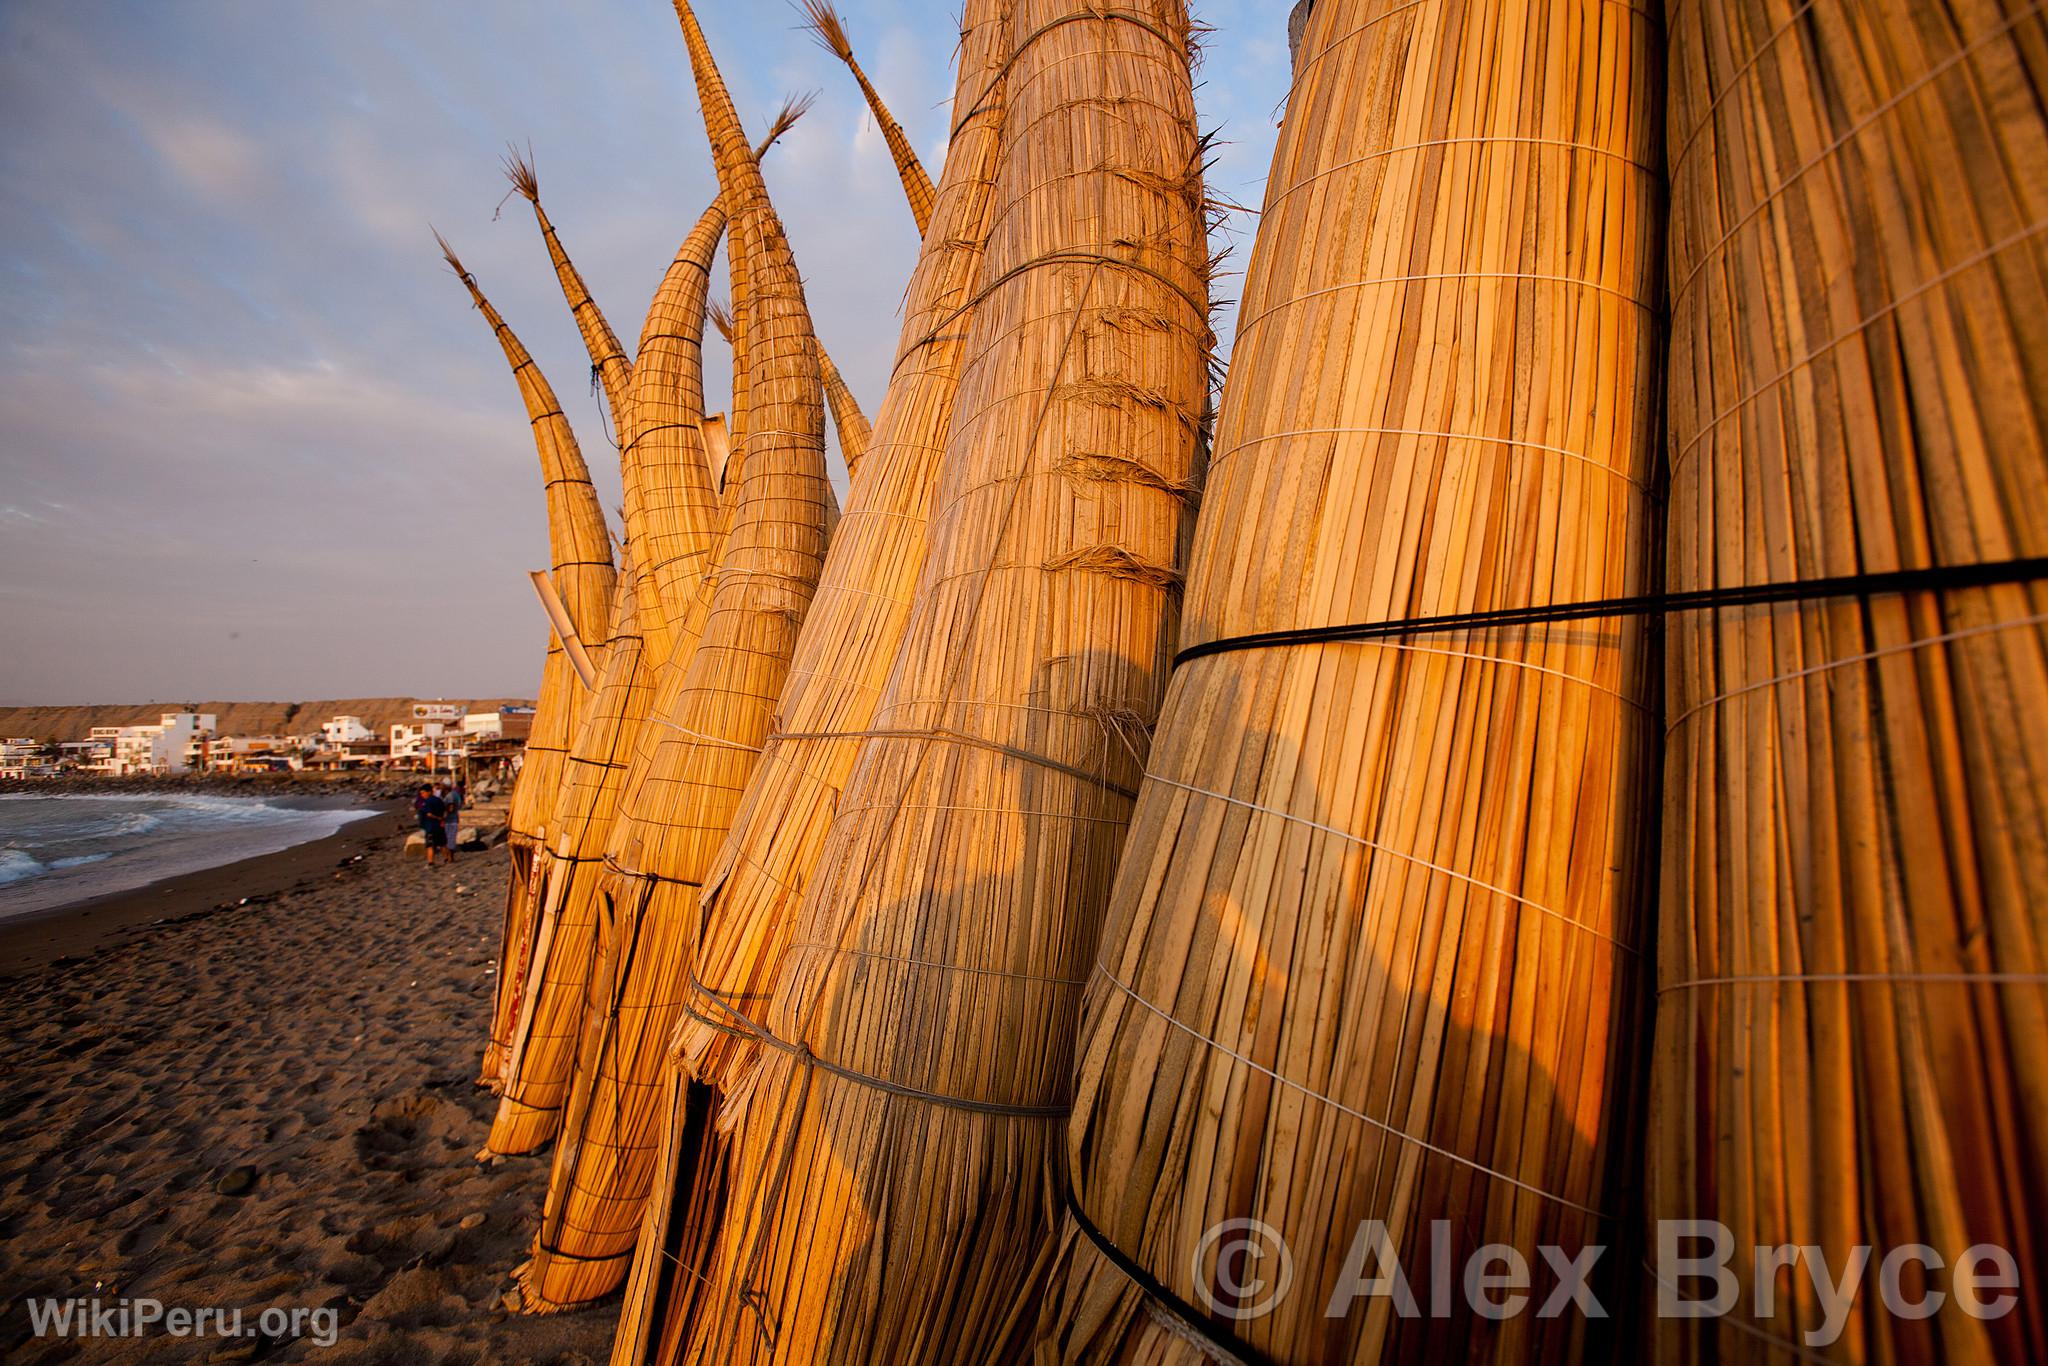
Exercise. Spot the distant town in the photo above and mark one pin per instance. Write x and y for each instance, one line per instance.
(438, 737)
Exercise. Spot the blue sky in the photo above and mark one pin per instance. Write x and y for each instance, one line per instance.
(253, 441)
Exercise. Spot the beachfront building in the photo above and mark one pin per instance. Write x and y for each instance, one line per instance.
(89, 754)
(343, 731)
(427, 744)
(18, 756)
(483, 725)
(176, 742)
(252, 753)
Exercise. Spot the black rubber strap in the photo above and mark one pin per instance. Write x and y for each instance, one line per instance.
(805, 1057)
(1932, 578)
(1193, 1319)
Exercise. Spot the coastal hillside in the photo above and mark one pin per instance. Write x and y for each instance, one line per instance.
(236, 718)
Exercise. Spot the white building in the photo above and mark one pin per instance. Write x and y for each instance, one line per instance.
(483, 725)
(88, 754)
(344, 730)
(176, 742)
(18, 756)
(235, 753)
(428, 743)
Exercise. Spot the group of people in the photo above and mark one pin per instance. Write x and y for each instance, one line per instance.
(439, 808)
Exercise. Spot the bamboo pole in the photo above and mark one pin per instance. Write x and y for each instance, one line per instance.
(580, 552)
(889, 1196)
(704, 744)
(1852, 1037)
(823, 20)
(844, 655)
(1375, 953)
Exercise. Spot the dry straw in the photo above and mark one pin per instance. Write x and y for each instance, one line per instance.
(668, 487)
(849, 643)
(608, 360)
(580, 552)
(824, 21)
(855, 434)
(541, 1052)
(559, 890)
(704, 742)
(1374, 951)
(1852, 1037)
(891, 1179)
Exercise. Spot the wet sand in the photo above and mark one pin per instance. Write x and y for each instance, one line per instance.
(325, 1035)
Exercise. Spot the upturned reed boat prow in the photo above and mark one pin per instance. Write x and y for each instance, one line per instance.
(1375, 955)
(844, 656)
(608, 359)
(1852, 1036)
(541, 1053)
(704, 733)
(895, 1159)
(824, 21)
(580, 556)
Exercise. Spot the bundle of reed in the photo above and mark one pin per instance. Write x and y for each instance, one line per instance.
(666, 408)
(824, 21)
(522, 1126)
(855, 434)
(672, 506)
(541, 1051)
(704, 747)
(1373, 949)
(580, 551)
(608, 360)
(891, 1181)
(849, 643)
(1852, 1042)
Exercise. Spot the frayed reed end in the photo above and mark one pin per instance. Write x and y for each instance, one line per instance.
(825, 25)
(793, 109)
(1114, 561)
(454, 261)
(721, 318)
(1093, 467)
(519, 170)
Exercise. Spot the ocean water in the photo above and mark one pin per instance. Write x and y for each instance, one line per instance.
(55, 850)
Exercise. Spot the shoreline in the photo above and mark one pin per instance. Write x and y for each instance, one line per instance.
(80, 929)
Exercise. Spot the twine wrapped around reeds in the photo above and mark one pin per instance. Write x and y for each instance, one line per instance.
(1374, 952)
(699, 747)
(541, 1050)
(580, 555)
(892, 1172)
(843, 658)
(824, 21)
(1852, 1032)
(855, 434)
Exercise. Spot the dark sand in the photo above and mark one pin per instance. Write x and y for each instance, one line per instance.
(326, 1034)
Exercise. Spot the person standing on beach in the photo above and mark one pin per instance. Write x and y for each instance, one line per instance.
(452, 797)
(432, 812)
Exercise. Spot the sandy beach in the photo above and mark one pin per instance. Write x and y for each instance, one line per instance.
(313, 1048)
